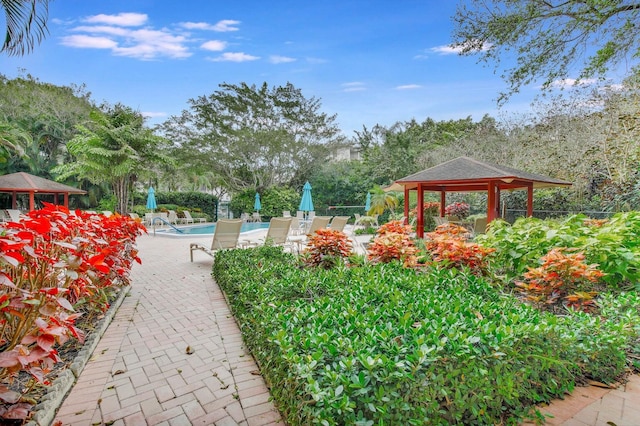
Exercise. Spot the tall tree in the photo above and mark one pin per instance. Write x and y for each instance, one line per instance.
(26, 24)
(549, 37)
(114, 149)
(254, 137)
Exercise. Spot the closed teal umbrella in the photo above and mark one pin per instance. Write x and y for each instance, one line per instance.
(256, 204)
(367, 204)
(306, 204)
(151, 199)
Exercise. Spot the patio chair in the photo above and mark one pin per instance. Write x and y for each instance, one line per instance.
(318, 222)
(300, 215)
(295, 229)
(480, 225)
(338, 222)
(255, 217)
(134, 216)
(4, 216)
(286, 213)
(190, 219)
(245, 217)
(276, 234)
(172, 218)
(440, 220)
(14, 214)
(225, 236)
(107, 213)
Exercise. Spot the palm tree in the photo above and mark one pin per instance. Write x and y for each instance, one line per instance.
(26, 24)
(381, 201)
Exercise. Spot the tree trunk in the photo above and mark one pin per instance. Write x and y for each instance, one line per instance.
(121, 191)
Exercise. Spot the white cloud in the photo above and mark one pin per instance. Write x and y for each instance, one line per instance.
(214, 45)
(104, 29)
(355, 86)
(121, 19)
(234, 57)
(226, 25)
(151, 114)
(223, 26)
(142, 43)
(86, 41)
(277, 59)
(571, 82)
(408, 87)
(457, 49)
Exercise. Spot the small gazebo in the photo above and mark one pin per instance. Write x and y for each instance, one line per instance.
(24, 183)
(465, 174)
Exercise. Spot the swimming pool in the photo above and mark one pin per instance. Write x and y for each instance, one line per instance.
(210, 228)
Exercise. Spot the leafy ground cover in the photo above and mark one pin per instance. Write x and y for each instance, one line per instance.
(386, 344)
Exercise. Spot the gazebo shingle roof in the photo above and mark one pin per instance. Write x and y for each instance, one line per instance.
(463, 169)
(24, 182)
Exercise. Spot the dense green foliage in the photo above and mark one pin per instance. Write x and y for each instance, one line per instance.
(273, 200)
(388, 345)
(192, 201)
(613, 245)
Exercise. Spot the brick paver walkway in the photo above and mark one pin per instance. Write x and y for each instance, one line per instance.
(173, 355)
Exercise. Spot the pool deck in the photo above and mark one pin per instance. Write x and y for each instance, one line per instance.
(173, 355)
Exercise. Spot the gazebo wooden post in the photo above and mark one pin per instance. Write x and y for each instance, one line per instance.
(66, 200)
(420, 209)
(32, 201)
(14, 200)
(498, 213)
(406, 204)
(491, 202)
(443, 202)
(530, 199)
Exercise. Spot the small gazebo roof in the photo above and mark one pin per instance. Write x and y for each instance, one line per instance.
(22, 182)
(474, 175)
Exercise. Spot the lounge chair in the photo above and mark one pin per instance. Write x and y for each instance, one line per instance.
(318, 222)
(440, 220)
(286, 213)
(134, 216)
(295, 229)
(172, 218)
(480, 225)
(255, 217)
(225, 236)
(338, 222)
(190, 219)
(276, 234)
(14, 214)
(107, 213)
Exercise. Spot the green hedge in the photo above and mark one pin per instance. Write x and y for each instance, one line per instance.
(388, 345)
(194, 201)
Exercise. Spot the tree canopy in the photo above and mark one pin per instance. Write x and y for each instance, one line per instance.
(115, 147)
(254, 136)
(550, 39)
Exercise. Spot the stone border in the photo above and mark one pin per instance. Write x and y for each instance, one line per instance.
(45, 412)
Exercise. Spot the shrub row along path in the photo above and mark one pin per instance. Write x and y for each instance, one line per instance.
(173, 355)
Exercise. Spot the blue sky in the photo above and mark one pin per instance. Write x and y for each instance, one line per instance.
(370, 62)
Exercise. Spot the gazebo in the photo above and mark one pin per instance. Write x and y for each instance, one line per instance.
(24, 183)
(465, 174)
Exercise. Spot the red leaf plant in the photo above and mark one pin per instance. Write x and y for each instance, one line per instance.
(326, 248)
(562, 278)
(51, 262)
(393, 242)
(449, 247)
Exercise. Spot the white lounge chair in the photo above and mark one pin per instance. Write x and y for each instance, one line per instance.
(339, 222)
(14, 214)
(276, 234)
(318, 222)
(225, 236)
(190, 219)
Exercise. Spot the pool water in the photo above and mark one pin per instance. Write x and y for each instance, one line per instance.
(210, 228)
